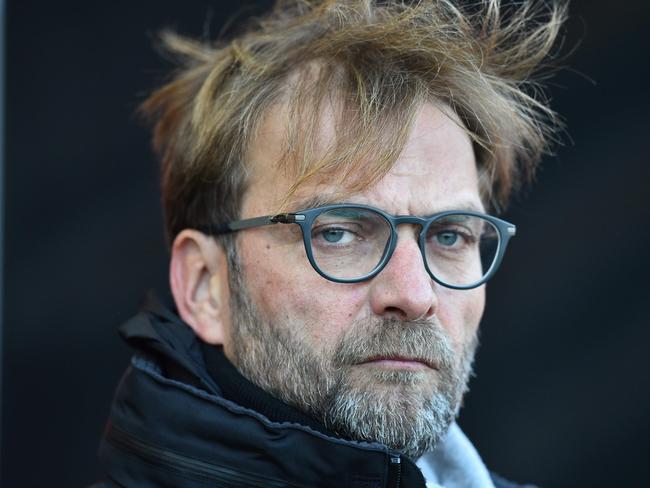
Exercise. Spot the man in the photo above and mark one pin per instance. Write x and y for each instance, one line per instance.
(326, 180)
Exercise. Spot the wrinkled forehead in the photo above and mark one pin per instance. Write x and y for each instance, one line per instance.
(290, 170)
(315, 145)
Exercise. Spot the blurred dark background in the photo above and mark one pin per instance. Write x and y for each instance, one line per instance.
(562, 396)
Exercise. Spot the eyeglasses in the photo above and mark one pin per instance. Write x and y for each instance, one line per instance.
(348, 243)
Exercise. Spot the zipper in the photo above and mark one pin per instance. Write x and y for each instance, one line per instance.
(396, 469)
(188, 467)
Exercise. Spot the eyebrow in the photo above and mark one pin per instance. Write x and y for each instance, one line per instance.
(467, 205)
(314, 201)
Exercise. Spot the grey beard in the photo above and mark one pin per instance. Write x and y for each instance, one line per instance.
(390, 407)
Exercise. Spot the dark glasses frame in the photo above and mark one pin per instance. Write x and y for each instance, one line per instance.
(305, 219)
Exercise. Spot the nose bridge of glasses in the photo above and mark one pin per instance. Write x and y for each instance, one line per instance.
(406, 242)
(409, 219)
(418, 223)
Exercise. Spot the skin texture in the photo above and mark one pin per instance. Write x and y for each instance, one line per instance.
(316, 318)
(435, 172)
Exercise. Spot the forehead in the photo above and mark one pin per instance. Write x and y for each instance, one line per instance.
(435, 170)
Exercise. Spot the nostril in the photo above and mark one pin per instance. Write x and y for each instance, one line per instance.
(428, 314)
(396, 312)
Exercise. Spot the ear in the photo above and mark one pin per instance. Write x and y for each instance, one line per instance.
(198, 275)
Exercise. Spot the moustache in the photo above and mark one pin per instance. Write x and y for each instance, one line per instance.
(425, 341)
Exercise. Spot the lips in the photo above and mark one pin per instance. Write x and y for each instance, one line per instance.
(399, 361)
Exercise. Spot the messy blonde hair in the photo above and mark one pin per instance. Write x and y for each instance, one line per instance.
(379, 61)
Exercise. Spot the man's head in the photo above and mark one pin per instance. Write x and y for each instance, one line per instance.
(410, 109)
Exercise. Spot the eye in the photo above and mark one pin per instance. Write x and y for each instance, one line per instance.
(447, 238)
(451, 238)
(335, 235)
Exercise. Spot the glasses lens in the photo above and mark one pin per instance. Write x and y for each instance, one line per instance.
(461, 249)
(348, 243)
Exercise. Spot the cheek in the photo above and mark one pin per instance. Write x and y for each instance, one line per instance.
(289, 292)
(460, 312)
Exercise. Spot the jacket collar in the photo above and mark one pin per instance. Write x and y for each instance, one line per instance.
(236, 388)
(170, 425)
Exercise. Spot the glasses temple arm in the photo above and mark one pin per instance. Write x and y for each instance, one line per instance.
(285, 218)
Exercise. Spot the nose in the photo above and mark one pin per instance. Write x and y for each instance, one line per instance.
(403, 289)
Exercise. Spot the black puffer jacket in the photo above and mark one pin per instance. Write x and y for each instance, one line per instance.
(171, 425)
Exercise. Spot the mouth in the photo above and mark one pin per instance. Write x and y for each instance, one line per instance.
(398, 362)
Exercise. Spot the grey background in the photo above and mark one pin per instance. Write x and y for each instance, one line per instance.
(561, 398)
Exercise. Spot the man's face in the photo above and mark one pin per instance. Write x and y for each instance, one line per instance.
(385, 360)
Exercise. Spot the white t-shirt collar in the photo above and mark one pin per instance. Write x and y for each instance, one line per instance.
(454, 463)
